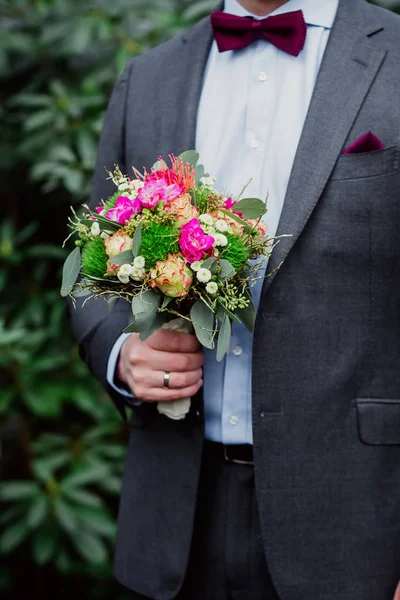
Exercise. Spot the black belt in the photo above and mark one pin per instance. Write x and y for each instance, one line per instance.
(240, 454)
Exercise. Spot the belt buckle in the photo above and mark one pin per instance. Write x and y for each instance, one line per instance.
(235, 460)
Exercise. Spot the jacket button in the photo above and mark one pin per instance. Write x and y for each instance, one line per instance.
(263, 415)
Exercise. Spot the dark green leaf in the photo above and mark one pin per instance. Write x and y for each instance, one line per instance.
(222, 309)
(18, 490)
(65, 517)
(224, 338)
(91, 548)
(90, 474)
(248, 315)
(13, 537)
(98, 521)
(37, 512)
(83, 497)
(44, 545)
(137, 240)
(71, 270)
(107, 225)
(144, 309)
(203, 320)
(232, 215)
(200, 172)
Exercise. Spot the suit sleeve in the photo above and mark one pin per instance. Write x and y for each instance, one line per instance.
(95, 326)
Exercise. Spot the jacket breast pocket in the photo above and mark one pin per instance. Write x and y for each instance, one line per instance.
(379, 421)
(367, 164)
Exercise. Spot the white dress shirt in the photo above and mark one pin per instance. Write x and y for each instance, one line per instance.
(251, 114)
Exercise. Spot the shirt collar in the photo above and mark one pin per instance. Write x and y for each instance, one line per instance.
(316, 12)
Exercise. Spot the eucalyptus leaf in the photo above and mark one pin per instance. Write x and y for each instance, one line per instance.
(222, 310)
(203, 320)
(251, 208)
(227, 270)
(71, 269)
(167, 300)
(224, 338)
(200, 172)
(190, 156)
(137, 240)
(144, 310)
(248, 315)
(157, 324)
(107, 225)
(247, 228)
(210, 264)
(123, 258)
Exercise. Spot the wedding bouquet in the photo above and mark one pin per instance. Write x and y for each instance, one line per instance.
(184, 255)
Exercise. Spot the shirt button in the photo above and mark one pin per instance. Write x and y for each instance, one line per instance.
(254, 143)
(262, 76)
(234, 420)
(237, 351)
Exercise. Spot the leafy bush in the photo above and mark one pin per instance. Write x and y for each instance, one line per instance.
(62, 440)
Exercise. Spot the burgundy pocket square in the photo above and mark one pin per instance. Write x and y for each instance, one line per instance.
(366, 143)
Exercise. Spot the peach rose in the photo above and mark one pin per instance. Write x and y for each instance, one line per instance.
(115, 244)
(182, 208)
(172, 276)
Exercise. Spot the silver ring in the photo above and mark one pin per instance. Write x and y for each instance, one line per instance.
(166, 379)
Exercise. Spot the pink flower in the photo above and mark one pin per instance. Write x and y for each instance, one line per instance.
(194, 242)
(228, 204)
(172, 276)
(115, 244)
(156, 191)
(124, 209)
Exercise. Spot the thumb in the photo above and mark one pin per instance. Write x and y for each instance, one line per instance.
(397, 593)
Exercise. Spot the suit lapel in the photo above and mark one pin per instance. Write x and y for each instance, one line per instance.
(350, 65)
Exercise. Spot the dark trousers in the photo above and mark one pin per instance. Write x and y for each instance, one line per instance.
(227, 560)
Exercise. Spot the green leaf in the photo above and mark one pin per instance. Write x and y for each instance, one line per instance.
(137, 240)
(83, 497)
(210, 264)
(224, 338)
(111, 485)
(11, 514)
(65, 516)
(203, 320)
(157, 324)
(251, 208)
(37, 512)
(227, 270)
(247, 228)
(89, 475)
(71, 269)
(190, 156)
(106, 224)
(200, 172)
(123, 258)
(44, 545)
(91, 548)
(18, 490)
(248, 315)
(144, 309)
(222, 309)
(98, 521)
(13, 537)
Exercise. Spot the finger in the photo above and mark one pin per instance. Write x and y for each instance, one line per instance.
(397, 593)
(173, 341)
(155, 379)
(156, 360)
(167, 394)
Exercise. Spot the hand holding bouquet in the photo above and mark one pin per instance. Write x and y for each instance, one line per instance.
(173, 247)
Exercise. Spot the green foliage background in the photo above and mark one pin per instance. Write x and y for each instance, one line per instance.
(62, 442)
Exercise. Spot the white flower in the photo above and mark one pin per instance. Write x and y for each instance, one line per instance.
(138, 274)
(123, 278)
(221, 239)
(195, 266)
(139, 262)
(204, 275)
(125, 270)
(209, 231)
(206, 219)
(208, 181)
(221, 225)
(216, 252)
(105, 235)
(212, 288)
(95, 229)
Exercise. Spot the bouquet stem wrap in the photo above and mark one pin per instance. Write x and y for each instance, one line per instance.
(177, 409)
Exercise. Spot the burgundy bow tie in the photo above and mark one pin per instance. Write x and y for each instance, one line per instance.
(286, 31)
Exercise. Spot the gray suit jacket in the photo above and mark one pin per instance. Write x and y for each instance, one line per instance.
(326, 385)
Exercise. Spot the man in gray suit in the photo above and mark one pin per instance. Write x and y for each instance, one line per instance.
(285, 485)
